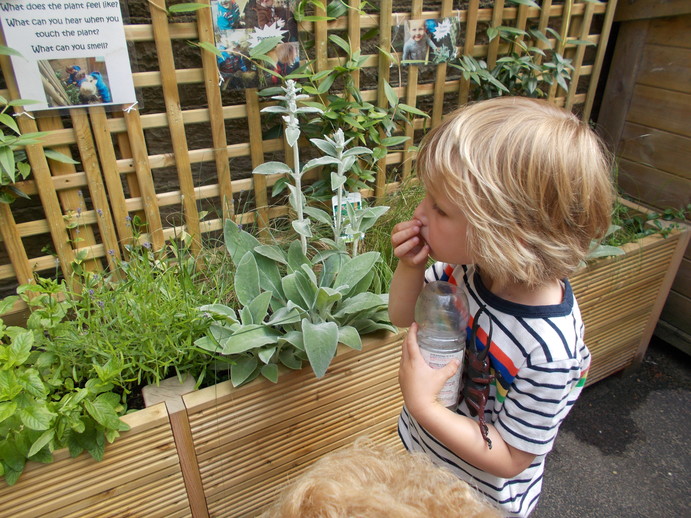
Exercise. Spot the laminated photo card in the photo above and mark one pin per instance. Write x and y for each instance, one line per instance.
(68, 53)
(427, 41)
(240, 26)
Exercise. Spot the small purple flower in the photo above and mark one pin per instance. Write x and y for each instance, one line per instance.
(79, 211)
(99, 212)
(91, 292)
(100, 303)
(111, 252)
(147, 245)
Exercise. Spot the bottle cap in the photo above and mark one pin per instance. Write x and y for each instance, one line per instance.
(442, 307)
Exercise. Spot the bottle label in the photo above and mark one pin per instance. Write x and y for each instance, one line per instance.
(451, 391)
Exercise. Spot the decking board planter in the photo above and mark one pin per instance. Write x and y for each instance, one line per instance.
(228, 451)
(621, 299)
(138, 476)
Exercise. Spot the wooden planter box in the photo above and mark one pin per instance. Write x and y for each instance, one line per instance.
(224, 451)
(621, 299)
(138, 476)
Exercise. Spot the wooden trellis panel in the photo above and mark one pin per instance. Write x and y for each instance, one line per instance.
(187, 147)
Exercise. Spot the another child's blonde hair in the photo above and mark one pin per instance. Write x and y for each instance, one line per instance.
(532, 180)
(370, 481)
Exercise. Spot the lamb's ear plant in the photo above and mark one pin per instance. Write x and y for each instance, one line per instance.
(297, 306)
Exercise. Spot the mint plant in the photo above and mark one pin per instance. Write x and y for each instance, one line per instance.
(43, 408)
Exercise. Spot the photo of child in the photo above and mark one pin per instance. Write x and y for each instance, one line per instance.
(75, 82)
(240, 25)
(427, 41)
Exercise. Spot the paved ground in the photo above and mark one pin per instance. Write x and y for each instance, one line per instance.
(625, 449)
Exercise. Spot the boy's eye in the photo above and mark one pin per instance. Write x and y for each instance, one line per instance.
(438, 210)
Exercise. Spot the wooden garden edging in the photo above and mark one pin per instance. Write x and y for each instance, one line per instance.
(226, 451)
(621, 299)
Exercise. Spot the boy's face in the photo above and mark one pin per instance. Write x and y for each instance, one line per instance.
(444, 228)
(417, 31)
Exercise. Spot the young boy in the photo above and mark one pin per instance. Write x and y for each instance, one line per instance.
(516, 191)
(418, 45)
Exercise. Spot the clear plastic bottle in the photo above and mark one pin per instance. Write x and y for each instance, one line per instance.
(441, 313)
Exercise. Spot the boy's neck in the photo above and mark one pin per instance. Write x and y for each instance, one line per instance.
(545, 295)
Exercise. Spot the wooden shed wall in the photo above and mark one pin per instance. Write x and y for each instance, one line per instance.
(646, 116)
(189, 148)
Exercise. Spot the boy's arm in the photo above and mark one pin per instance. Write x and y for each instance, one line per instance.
(409, 277)
(420, 385)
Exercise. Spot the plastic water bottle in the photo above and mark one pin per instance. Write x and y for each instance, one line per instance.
(441, 313)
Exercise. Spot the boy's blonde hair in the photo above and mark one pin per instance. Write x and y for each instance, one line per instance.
(370, 481)
(532, 180)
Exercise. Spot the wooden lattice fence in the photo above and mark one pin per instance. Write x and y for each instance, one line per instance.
(188, 147)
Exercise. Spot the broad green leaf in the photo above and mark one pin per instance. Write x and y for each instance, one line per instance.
(36, 417)
(340, 42)
(103, 413)
(412, 110)
(320, 215)
(247, 279)
(7, 303)
(220, 310)
(394, 141)
(270, 372)
(294, 338)
(292, 291)
(260, 306)
(302, 227)
(41, 442)
(210, 47)
(307, 286)
(337, 181)
(59, 157)
(391, 95)
(326, 298)
(266, 353)
(272, 168)
(9, 121)
(355, 269)
(7, 409)
(289, 314)
(249, 337)
(287, 357)
(20, 348)
(272, 252)
(357, 150)
(322, 161)
(321, 341)
(237, 241)
(32, 384)
(295, 256)
(349, 336)
(605, 251)
(7, 162)
(264, 47)
(242, 370)
(323, 145)
(362, 302)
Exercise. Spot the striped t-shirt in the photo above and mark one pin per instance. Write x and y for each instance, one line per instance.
(539, 361)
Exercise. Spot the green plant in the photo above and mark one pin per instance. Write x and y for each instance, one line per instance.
(632, 225)
(526, 71)
(44, 408)
(340, 106)
(297, 307)
(130, 327)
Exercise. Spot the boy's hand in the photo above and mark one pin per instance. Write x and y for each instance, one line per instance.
(409, 246)
(420, 383)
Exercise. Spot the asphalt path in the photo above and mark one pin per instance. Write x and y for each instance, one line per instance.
(625, 448)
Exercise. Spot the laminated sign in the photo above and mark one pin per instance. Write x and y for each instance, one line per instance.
(71, 53)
